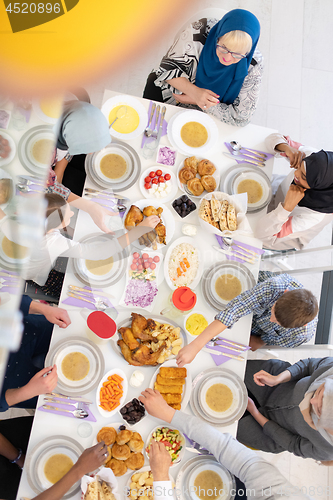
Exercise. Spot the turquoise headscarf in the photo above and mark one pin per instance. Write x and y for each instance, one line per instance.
(226, 81)
(83, 129)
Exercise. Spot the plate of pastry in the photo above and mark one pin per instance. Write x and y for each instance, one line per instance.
(197, 176)
(124, 447)
(157, 238)
(148, 341)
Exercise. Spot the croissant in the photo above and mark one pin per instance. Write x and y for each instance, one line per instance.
(205, 167)
(191, 162)
(186, 174)
(195, 186)
(208, 182)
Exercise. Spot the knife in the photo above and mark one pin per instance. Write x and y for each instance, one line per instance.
(109, 194)
(58, 401)
(248, 259)
(85, 290)
(245, 160)
(73, 398)
(219, 353)
(161, 125)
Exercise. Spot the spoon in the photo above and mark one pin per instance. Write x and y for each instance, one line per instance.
(75, 413)
(120, 114)
(237, 147)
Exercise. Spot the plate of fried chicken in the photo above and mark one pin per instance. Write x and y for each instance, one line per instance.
(148, 341)
(162, 234)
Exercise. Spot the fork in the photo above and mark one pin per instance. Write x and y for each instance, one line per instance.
(148, 130)
(155, 131)
(77, 405)
(97, 302)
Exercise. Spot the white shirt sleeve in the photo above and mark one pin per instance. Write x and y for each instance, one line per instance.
(163, 490)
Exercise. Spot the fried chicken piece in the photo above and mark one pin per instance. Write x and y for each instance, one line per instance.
(147, 211)
(144, 241)
(129, 338)
(139, 326)
(151, 325)
(126, 352)
(152, 237)
(145, 356)
(133, 217)
(161, 232)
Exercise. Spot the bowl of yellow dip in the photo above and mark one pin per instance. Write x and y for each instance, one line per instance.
(195, 323)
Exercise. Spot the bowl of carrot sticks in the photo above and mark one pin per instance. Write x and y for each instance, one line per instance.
(111, 392)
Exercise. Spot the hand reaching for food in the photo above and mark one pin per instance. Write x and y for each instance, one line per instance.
(150, 222)
(92, 458)
(186, 355)
(160, 461)
(156, 406)
(43, 382)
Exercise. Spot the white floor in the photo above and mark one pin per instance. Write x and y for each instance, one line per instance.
(296, 41)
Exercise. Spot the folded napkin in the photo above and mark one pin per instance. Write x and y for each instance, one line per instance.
(71, 301)
(223, 347)
(237, 245)
(152, 126)
(240, 158)
(85, 407)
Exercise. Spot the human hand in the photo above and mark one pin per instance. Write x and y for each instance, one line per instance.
(150, 222)
(5, 148)
(203, 98)
(57, 316)
(251, 407)
(156, 405)
(294, 155)
(186, 355)
(98, 214)
(160, 461)
(92, 458)
(43, 382)
(294, 195)
(263, 378)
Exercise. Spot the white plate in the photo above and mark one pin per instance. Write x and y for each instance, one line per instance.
(147, 193)
(188, 384)
(132, 102)
(183, 442)
(10, 157)
(40, 113)
(194, 116)
(234, 272)
(166, 216)
(264, 183)
(179, 241)
(140, 471)
(115, 371)
(10, 260)
(5, 175)
(216, 176)
(116, 426)
(212, 467)
(112, 149)
(26, 144)
(235, 392)
(83, 350)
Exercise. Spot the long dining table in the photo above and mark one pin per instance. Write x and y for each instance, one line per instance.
(47, 424)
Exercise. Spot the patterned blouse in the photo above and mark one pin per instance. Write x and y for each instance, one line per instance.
(182, 60)
(52, 185)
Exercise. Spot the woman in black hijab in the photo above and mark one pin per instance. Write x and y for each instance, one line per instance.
(303, 204)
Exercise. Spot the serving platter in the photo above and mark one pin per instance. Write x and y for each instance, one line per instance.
(241, 171)
(190, 241)
(37, 458)
(227, 267)
(92, 167)
(96, 365)
(105, 280)
(188, 382)
(200, 386)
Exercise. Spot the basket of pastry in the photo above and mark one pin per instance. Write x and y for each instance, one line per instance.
(124, 448)
(197, 177)
(148, 341)
(222, 214)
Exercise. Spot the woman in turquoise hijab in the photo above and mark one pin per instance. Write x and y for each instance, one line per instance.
(83, 129)
(213, 65)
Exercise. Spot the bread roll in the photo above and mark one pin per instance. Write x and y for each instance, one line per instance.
(195, 186)
(208, 182)
(206, 167)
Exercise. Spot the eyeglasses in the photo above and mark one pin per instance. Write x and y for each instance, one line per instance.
(223, 50)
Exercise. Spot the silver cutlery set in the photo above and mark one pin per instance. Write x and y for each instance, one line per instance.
(155, 133)
(231, 248)
(57, 399)
(227, 344)
(87, 295)
(246, 155)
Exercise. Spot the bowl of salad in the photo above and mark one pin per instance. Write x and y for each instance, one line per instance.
(172, 439)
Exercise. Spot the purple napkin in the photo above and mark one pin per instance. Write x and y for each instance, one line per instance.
(85, 407)
(11, 273)
(237, 245)
(196, 446)
(11, 289)
(152, 126)
(82, 303)
(241, 159)
(219, 360)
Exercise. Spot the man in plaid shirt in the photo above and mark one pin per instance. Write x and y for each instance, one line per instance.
(284, 314)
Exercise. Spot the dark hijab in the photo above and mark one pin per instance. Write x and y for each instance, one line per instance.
(319, 176)
(226, 81)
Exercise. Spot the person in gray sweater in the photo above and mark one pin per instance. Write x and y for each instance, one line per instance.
(295, 411)
(262, 480)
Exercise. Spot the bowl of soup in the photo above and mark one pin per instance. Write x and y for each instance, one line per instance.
(193, 132)
(112, 165)
(256, 185)
(226, 284)
(219, 397)
(209, 480)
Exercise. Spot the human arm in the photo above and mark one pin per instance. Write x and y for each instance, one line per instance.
(8, 450)
(255, 472)
(91, 459)
(60, 168)
(309, 367)
(55, 315)
(191, 94)
(38, 384)
(96, 211)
